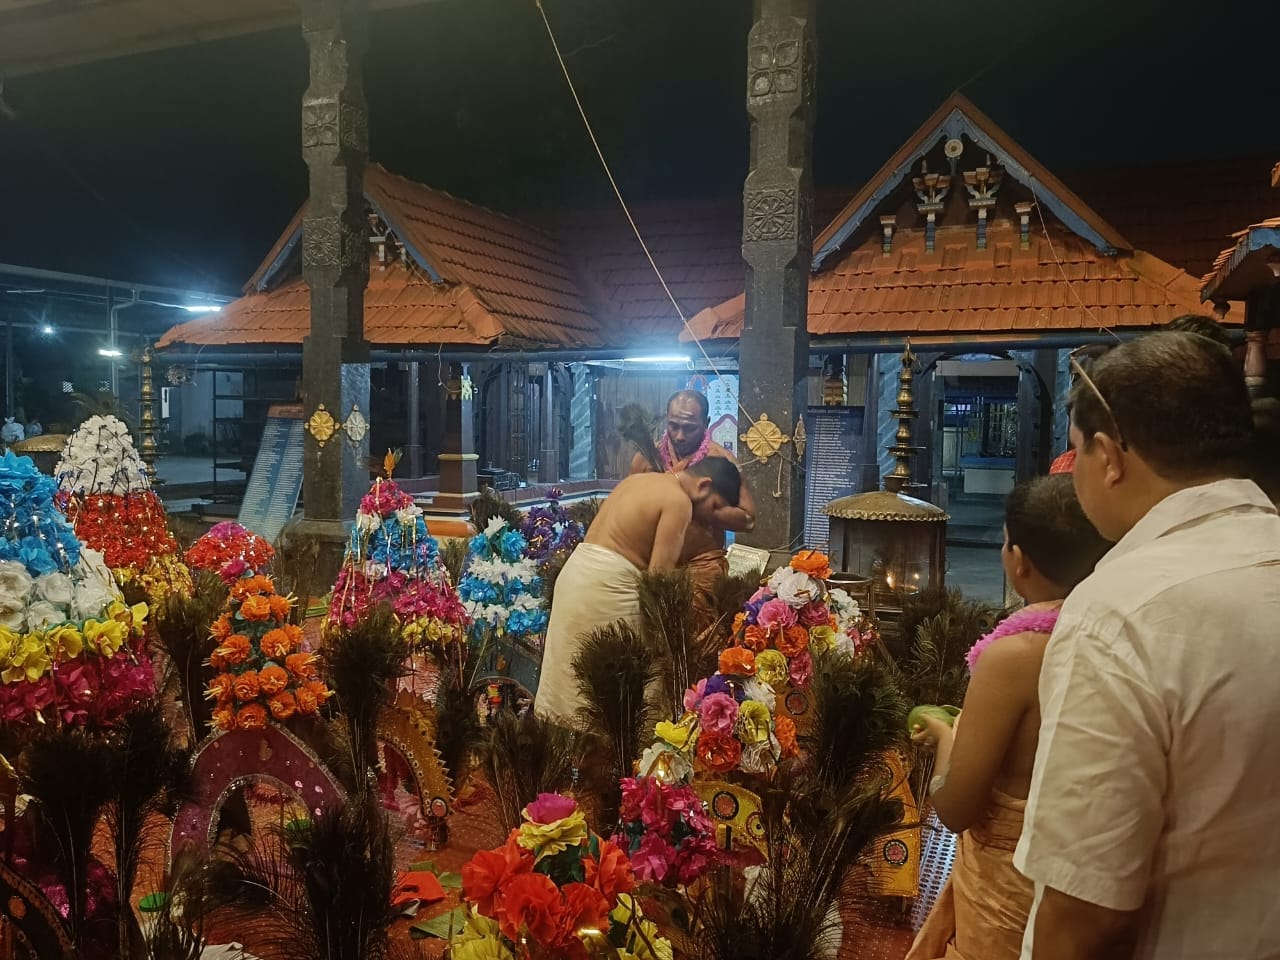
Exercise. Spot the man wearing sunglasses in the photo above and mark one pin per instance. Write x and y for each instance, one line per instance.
(1150, 825)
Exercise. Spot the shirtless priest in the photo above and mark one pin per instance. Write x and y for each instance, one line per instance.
(686, 441)
(641, 526)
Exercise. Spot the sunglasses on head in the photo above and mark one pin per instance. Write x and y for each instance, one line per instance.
(1078, 369)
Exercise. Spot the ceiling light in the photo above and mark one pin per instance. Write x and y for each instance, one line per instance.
(203, 308)
(47, 330)
(667, 359)
(109, 352)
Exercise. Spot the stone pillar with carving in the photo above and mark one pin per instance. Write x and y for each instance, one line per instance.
(335, 265)
(458, 458)
(335, 260)
(777, 244)
(549, 458)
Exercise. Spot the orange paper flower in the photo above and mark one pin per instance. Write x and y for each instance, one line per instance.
(738, 662)
(301, 665)
(235, 649)
(815, 564)
(223, 687)
(739, 619)
(793, 641)
(255, 608)
(611, 873)
(251, 716)
(283, 705)
(276, 644)
(318, 690)
(272, 679)
(250, 585)
(307, 702)
(755, 639)
(221, 628)
(246, 686)
(295, 634)
(224, 718)
(280, 607)
(784, 728)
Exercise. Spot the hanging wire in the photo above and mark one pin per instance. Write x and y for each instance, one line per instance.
(617, 192)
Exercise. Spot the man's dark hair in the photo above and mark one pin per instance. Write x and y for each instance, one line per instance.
(698, 398)
(724, 477)
(1178, 399)
(1201, 325)
(1044, 518)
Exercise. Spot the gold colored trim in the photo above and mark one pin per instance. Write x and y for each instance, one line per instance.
(459, 457)
(884, 505)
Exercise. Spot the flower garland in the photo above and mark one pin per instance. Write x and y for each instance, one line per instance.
(501, 589)
(231, 551)
(666, 832)
(1026, 620)
(669, 459)
(265, 670)
(554, 890)
(549, 530)
(70, 650)
(391, 558)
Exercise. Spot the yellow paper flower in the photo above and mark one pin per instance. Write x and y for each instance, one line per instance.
(30, 660)
(8, 640)
(821, 639)
(680, 735)
(548, 839)
(106, 638)
(753, 722)
(65, 642)
(771, 667)
(478, 928)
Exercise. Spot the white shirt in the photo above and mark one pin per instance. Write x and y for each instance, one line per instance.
(1157, 778)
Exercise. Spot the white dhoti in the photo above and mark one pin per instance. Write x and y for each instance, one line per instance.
(596, 587)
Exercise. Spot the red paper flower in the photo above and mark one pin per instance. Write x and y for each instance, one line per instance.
(530, 903)
(485, 873)
(610, 873)
(719, 752)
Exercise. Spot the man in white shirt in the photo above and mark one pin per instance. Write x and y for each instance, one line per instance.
(1152, 823)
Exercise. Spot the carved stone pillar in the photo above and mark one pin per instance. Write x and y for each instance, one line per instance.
(777, 244)
(458, 458)
(335, 265)
(518, 419)
(335, 256)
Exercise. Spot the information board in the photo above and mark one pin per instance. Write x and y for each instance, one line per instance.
(271, 495)
(831, 463)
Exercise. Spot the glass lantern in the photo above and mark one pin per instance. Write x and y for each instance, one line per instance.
(886, 546)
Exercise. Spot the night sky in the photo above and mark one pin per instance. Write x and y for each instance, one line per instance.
(181, 168)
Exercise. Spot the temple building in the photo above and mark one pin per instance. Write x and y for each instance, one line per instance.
(546, 324)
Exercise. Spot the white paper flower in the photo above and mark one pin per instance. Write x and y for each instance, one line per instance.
(55, 588)
(367, 522)
(679, 765)
(42, 613)
(494, 526)
(761, 757)
(794, 588)
(15, 591)
(757, 689)
(408, 516)
(99, 457)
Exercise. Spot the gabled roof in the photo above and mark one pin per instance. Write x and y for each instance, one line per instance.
(961, 290)
(1076, 273)
(1245, 266)
(471, 276)
(955, 118)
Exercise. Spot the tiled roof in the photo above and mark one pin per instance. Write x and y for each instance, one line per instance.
(401, 308)
(959, 289)
(1244, 266)
(500, 282)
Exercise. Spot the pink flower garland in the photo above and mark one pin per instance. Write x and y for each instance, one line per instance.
(669, 456)
(1024, 621)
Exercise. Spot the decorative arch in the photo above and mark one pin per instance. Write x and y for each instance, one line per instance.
(229, 760)
(408, 727)
(31, 920)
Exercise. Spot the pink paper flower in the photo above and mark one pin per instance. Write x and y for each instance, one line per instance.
(814, 614)
(693, 696)
(776, 614)
(550, 807)
(800, 669)
(651, 861)
(718, 713)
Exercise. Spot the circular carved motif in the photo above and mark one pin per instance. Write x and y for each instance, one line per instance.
(896, 853)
